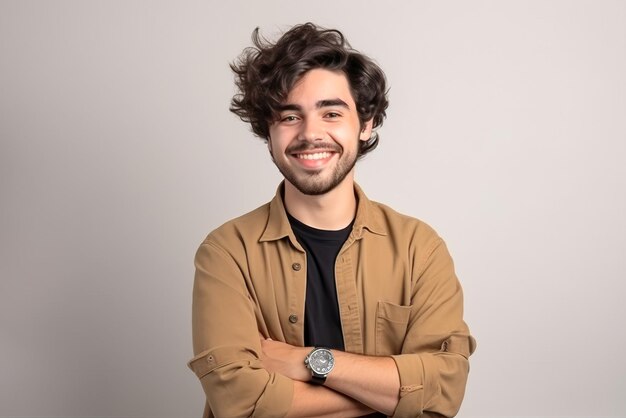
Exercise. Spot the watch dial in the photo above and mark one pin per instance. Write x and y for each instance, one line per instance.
(322, 361)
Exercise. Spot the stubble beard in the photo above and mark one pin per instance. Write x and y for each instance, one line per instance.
(312, 183)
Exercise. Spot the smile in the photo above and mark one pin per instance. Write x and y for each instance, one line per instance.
(314, 156)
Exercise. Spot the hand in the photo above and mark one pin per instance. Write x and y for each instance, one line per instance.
(285, 359)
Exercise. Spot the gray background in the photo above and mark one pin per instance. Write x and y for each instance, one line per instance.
(506, 132)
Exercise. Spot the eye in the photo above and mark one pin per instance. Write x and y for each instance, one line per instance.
(289, 118)
(332, 115)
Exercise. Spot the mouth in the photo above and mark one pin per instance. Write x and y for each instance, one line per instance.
(314, 156)
(313, 160)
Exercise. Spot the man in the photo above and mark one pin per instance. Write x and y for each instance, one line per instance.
(324, 303)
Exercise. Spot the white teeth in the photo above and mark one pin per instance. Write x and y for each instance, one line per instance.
(316, 156)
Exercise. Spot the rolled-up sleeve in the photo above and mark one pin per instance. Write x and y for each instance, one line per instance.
(226, 342)
(433, 365)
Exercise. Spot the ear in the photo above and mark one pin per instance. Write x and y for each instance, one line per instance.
(366, 130)
(269, 148)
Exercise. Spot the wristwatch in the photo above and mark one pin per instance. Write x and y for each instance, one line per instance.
(320, 361)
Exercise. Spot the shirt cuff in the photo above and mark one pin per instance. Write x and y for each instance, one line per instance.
(257, 393)
(411, 372)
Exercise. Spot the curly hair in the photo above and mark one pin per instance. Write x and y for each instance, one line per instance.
(266, 73)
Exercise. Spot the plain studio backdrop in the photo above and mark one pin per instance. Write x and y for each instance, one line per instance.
(506, 132)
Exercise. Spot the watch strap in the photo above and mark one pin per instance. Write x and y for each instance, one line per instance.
(317, 379)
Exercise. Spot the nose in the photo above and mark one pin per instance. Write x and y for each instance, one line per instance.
(312, 130)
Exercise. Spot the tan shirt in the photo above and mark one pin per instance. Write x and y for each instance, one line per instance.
(398, 296)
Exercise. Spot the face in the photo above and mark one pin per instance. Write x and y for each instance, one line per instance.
(314, 143)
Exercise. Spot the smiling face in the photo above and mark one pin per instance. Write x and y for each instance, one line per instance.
(314, 143)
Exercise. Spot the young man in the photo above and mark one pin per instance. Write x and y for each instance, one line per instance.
(324, 303)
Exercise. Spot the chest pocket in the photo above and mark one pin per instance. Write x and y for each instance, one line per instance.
(391, 324)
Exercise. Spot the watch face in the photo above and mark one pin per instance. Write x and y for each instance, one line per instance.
(321, 361)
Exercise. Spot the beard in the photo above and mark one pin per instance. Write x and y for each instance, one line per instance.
(316, 182)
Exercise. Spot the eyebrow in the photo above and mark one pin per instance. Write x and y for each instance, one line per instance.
(318, 105)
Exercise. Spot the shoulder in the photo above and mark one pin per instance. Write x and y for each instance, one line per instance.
(384, 221)
(401, 226)
(245, 228)
(413, 238)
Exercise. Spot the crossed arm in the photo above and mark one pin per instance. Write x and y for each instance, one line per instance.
(358, 384)
(244, 375)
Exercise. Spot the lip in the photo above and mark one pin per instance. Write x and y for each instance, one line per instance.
(313, 159)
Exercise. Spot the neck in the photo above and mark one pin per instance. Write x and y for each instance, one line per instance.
(331, 211)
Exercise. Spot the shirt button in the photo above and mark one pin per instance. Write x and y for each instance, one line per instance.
(293, 318)
(296, 266)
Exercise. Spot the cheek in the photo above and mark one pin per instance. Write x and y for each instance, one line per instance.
(280, 135)
(277, 144)
(347, 133)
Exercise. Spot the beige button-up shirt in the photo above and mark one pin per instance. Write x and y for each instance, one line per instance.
(398, 296)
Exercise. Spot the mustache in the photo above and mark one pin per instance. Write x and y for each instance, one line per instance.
(312, 146)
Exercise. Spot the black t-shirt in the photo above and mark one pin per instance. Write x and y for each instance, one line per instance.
(322, 323)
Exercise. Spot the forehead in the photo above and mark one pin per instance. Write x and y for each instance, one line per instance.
(321, 84)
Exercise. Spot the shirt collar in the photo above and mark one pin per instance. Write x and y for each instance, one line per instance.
(368, 216)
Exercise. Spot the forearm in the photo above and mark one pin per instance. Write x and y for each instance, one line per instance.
(374, 381)
(319, 401)
(355, 382)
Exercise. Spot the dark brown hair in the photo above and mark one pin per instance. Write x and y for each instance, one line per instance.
(266, 72)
